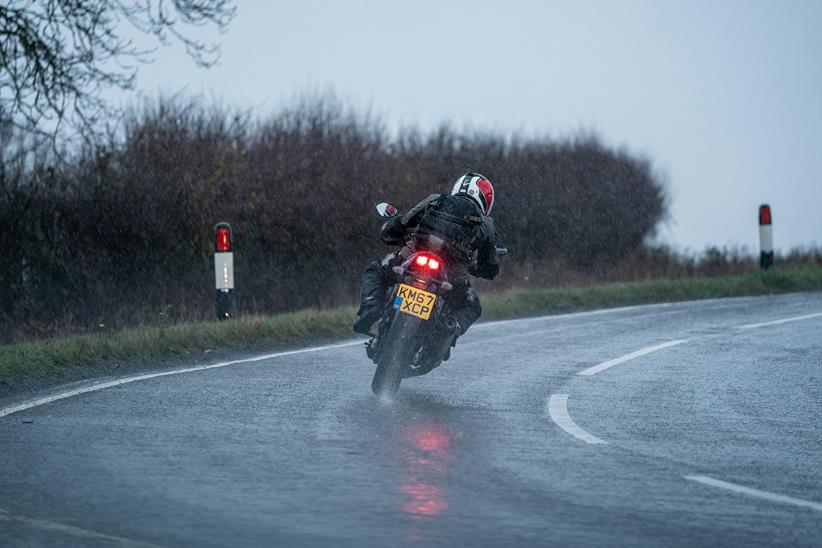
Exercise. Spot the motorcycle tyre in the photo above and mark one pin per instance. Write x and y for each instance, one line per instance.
(397, 353)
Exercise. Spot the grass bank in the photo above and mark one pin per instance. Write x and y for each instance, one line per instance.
(57, 360)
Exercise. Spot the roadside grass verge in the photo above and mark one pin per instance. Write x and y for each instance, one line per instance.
(531, 302)
(62, 358)
(55, 360)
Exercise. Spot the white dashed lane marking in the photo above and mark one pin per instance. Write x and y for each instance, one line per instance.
(558, 411)
(773, 497)
(627, 357)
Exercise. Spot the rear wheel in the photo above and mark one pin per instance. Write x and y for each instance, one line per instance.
(396, 353)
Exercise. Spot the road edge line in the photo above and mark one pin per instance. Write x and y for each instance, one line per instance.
(783, 320)
(74, 531)
(37, 402)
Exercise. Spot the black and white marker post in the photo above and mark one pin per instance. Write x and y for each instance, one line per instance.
(226, 304)
(765, 237)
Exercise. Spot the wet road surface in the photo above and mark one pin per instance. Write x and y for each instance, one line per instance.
(691, 424)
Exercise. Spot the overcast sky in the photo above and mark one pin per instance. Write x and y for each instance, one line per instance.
(724, 96)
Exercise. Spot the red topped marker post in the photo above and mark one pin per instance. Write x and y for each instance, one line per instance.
(226, 305)
(765, 237)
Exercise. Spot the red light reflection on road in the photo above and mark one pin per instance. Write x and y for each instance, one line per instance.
(433, 439)
(426, 499)
(430, 448)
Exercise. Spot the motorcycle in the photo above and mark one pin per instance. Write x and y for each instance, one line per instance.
(416, 330)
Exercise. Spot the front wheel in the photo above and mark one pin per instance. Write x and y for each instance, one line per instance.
(396, 353)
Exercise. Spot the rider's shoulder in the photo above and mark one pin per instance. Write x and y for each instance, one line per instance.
(430, 200)
(488, 226)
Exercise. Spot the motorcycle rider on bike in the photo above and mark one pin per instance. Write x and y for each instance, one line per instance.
(460, 221)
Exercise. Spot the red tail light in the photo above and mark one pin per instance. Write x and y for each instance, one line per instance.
(430, 262)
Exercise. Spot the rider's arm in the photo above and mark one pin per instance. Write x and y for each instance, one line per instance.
(394, 230)
(487, 265)
(412, 216)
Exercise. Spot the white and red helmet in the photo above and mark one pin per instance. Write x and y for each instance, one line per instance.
(477, 187)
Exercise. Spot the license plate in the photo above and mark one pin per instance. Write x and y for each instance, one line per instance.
(415, 302)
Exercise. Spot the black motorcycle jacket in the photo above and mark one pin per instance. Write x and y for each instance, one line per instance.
(470, 238)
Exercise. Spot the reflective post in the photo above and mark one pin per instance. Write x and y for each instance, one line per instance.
(765, 237)
(226, 305)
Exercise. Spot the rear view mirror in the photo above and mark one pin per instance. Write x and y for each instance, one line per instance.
(387, 210)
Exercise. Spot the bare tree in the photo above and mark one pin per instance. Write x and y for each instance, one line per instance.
(56, 56)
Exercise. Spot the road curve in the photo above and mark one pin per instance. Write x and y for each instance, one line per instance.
(709, 416)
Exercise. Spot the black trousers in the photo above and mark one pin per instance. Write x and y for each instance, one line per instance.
(376, 281)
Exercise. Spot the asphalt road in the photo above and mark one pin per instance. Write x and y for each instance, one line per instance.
(691, 425)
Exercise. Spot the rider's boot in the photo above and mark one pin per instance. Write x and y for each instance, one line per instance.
(368, 313)
(372, 297)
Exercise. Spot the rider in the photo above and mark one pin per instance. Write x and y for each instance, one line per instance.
(461, 220)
